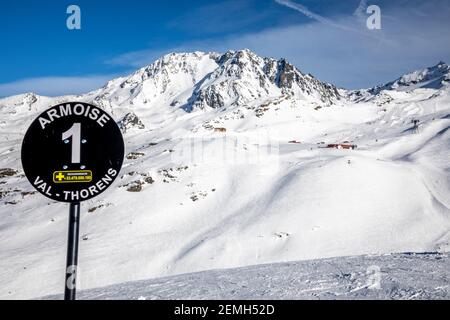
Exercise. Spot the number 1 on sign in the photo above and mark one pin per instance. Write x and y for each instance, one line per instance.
(75, 133)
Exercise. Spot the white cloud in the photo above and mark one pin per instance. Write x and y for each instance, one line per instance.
(137, 59)
(361, 9)
(304, 10)
(54, 86)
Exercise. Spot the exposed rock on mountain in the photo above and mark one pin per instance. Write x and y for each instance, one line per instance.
(130, 121)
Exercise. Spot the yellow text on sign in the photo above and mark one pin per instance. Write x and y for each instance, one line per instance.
(69, 176)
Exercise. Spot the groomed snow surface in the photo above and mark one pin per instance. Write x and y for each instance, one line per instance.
(398, 276)
(264, 189)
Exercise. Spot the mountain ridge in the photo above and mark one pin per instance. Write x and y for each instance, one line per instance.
(217, 80)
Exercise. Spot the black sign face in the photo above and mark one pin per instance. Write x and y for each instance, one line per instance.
(72, 152)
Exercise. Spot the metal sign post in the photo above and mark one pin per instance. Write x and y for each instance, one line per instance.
(72, 252)
(72, 152)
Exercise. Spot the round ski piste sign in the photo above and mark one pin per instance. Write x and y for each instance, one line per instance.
(72, 152)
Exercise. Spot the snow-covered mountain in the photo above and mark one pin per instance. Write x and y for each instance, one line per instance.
(202, 80)
(227, 165)
(435, 77)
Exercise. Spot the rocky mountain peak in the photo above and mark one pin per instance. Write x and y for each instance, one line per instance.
(130, 121)
(243, 76)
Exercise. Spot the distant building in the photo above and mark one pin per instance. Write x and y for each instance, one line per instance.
(342, 146)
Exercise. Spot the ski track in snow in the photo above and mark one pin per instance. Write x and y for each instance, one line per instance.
(397, 276)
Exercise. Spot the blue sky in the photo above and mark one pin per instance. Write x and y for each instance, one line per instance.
(326, 38)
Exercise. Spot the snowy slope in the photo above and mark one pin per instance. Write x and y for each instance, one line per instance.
(399, 276)
(192, 197)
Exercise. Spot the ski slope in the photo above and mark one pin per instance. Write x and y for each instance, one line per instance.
(400, 276)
